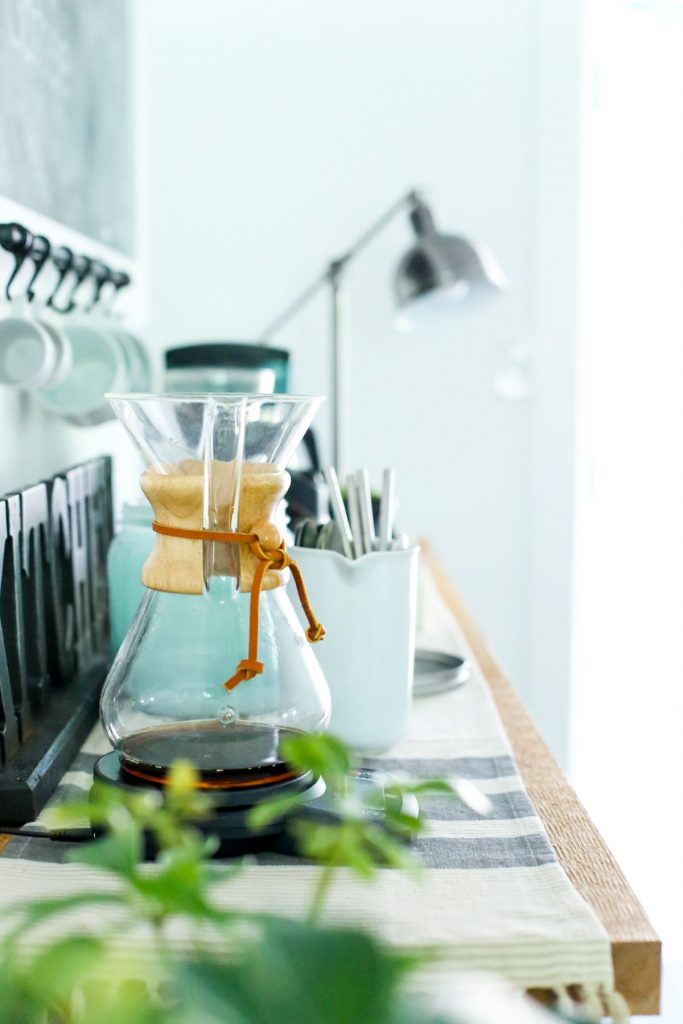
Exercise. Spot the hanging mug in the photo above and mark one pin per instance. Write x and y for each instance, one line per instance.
(136, 357)
(98, 366)
(34, 352)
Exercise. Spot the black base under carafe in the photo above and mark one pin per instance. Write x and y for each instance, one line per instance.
(228, 820)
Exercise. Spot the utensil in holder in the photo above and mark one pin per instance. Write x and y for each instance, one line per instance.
(369, 608)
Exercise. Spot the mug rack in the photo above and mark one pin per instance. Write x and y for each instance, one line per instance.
(54, 629)
(67, 363)
(23, 245)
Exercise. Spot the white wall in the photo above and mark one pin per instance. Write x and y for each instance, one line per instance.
(275, 131)
(628, 702)
(66, 68)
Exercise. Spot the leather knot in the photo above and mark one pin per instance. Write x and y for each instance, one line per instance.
(315, 633)
(247, 669)
(276, 557)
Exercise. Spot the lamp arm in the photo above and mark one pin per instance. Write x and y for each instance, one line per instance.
(335, 267)
(408, 199)
(289, 311)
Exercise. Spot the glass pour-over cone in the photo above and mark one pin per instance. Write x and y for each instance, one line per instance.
(215, 463)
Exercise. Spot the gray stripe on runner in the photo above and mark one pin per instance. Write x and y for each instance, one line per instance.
(45, 851)
(489, 852)
(504, 807)
(465, 854)
(435, 854)
(438, 767)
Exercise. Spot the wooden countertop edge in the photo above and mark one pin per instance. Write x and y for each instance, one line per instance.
(581, 850)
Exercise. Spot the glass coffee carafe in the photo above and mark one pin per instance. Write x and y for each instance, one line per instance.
(215, 668)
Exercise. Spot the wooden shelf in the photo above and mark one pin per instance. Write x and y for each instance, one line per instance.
(583, 853)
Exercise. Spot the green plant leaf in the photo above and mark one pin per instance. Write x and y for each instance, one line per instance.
(317, 840)
(424, 787)
(119, 852)
(123, 1002)
(182, 795)
(17, 1002)
(322, 754)
(32, 914)
(394, 853)
(268, 811)
(180, 886)
(404, 825)
(459, 788)
(303, 975)
(59, 969)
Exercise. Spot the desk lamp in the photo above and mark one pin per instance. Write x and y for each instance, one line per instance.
(438, 276)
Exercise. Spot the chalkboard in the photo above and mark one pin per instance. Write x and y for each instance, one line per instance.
(66, 136)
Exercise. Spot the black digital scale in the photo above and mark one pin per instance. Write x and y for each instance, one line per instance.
(228, 820)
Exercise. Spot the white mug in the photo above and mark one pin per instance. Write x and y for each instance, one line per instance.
(138, 365)
(98, 366)
(34, 352)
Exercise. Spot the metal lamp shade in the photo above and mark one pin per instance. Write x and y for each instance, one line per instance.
(441, 273)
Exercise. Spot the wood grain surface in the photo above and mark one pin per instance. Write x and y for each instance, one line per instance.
(584, 855)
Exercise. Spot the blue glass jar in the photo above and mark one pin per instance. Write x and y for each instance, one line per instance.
(132, 544)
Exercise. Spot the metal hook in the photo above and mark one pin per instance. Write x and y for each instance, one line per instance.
(39, 253)
(120, 279)
(63, 259)
(81, 268)
(22, 244)
(101, 275)
(15, 239)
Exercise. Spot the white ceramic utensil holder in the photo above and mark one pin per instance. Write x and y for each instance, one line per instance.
(367, 606)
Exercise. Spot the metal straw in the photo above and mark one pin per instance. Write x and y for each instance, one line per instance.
(354, 515)
(386, 510)
(367, 521)
(339, 512)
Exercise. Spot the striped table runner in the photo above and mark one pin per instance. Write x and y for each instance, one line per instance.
(493, 895)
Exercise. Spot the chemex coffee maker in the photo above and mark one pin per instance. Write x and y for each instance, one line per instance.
(215, 668)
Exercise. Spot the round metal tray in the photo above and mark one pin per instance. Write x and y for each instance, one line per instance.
(437, 671)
